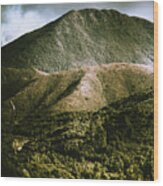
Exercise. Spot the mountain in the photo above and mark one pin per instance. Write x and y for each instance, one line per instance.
(84, 37)
(77, 99)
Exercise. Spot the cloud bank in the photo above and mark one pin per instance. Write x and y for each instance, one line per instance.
(17, 20)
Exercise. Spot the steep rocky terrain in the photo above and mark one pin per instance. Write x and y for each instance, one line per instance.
(77, 99)
(85, 37)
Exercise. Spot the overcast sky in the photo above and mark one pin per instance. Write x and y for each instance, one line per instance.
(17, 20)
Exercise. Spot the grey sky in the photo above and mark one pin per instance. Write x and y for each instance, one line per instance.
(17, 20)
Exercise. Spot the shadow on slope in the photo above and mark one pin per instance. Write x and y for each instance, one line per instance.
(115, 142)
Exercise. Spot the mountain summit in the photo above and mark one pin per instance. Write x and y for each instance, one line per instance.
(84, 37)
(73, 103)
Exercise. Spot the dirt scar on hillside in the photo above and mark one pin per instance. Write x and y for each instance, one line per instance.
(148, 68)
(41, 72)
(86, 84)
(85, 88)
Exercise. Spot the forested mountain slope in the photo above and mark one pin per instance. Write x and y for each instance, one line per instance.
(84, 37)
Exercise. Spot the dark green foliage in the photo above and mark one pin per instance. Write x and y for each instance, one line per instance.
(114, 143)
(20, 80)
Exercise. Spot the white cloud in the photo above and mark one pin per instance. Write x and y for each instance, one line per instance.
(18, 22)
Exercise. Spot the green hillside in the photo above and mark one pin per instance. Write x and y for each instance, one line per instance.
(115, 142)
(51, 128)
(86, 89)
(84, 37)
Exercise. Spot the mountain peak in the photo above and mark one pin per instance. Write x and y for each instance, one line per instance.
(83, 37)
